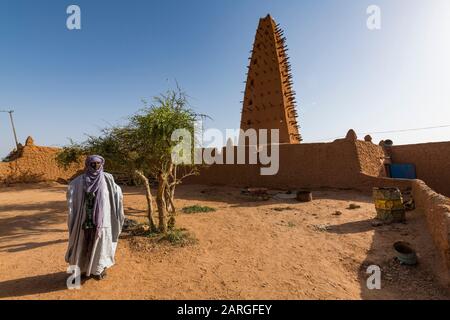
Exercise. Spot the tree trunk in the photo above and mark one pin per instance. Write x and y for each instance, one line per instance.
(166, 197)
(171, 188)
(172, 197)
(161, 203)
(169, 200)
(171, 209)
(148, 194)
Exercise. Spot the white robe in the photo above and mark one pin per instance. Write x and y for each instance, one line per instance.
(104, 247)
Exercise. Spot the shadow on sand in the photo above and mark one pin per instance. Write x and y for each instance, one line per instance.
(33, 285)
(352, 227)
(233, 196)
(399, 281)
(29, 245)
(41, 218)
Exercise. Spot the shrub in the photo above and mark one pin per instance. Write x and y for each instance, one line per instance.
(198, 209)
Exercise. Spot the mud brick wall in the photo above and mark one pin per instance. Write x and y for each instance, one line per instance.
(35, 164)
(432, 161)
(436, 209)
(344, 163)
(315, 165)
(371, 158)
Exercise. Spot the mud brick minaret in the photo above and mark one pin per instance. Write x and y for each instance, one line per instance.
(269, 101)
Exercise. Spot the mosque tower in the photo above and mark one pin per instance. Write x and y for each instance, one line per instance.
(269, 101)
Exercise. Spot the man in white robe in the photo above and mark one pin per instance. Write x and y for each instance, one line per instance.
(95, 219)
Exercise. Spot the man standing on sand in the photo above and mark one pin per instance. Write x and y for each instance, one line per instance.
(95, 219)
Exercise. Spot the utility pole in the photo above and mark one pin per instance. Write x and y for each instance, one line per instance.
(203, 117)
(12, 124)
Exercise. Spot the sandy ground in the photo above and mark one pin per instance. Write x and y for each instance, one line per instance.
(245, 250)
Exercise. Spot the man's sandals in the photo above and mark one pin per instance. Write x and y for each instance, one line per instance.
(100, 276)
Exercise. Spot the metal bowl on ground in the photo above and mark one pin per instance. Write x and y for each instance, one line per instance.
(405, 254)
(304, 196)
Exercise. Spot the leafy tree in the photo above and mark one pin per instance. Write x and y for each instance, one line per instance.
(143, 148)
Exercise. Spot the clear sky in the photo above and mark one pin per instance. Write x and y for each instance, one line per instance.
(64, 83)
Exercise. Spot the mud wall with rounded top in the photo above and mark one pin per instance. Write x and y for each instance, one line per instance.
(35, 164)
(436, 209)
(344, 163)
(338, 164)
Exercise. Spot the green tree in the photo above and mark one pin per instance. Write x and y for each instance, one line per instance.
(143, 148)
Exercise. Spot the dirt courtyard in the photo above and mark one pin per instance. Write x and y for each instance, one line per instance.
(276, 249)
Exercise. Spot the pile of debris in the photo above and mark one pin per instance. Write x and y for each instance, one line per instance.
(262, 194)
(256, 194)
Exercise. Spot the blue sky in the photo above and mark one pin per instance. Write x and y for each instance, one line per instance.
(63, 84)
